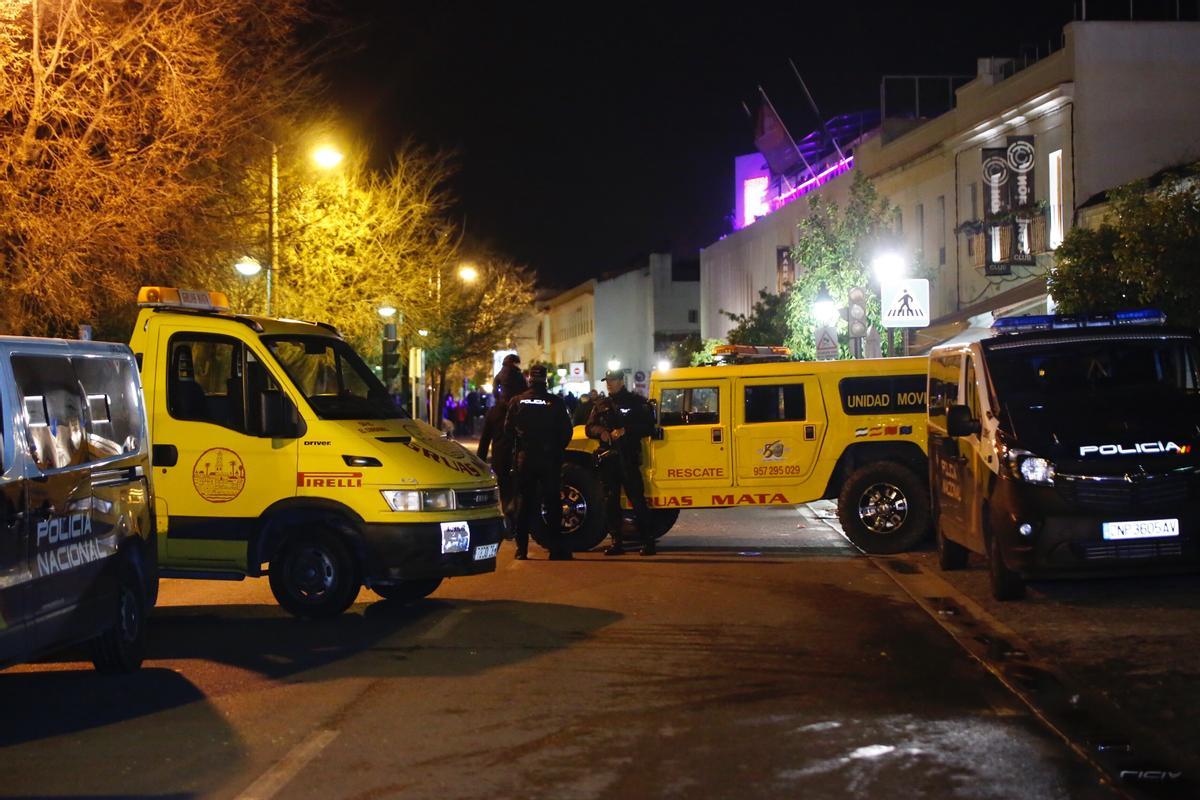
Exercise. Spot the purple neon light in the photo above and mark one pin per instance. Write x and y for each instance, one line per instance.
(822, 178)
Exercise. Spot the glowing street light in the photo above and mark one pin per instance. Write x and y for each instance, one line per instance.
(663, 365)
(327, 156)
(614, 365)
(824, 310)
(422, 332)
(889, 266)
(248, 266)
(387, 312)
(468, 273)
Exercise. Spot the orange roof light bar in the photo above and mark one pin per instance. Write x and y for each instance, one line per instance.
(169, 297)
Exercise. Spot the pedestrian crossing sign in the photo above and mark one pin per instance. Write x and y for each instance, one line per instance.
(905, 303)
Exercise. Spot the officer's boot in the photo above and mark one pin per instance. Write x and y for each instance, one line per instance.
(649, 547)
(617, 548)
(522, 539)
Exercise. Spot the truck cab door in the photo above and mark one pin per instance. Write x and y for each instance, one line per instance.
(779, 424)
(215, 475)
(695, 451)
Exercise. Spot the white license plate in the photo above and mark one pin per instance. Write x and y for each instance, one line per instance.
(456, 537)
(1141, 529)
(485, 551)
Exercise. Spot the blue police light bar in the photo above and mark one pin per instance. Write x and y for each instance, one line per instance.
(1054, 322)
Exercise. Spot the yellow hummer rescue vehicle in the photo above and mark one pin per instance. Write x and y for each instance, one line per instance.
(760, 430)
(277, 451)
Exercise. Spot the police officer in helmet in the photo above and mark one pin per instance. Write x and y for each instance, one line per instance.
(538, 425)
(620, 421)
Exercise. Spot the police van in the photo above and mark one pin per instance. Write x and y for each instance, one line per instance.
(761, 430)
(1065, 445)
(277, 451)
(77, 549)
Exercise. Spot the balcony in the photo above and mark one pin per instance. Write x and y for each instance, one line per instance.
(996, 247)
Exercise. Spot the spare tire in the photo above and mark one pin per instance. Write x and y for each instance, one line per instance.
(582, 509)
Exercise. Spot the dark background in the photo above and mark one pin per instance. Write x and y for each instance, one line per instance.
(589, 134)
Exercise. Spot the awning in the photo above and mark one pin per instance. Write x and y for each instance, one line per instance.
(970, 322)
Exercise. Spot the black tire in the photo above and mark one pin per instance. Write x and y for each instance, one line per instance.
(583, 509)
(951, 555)
(663, 519)
(884, 508)
(1006, 584)
(122, 647)
(407, 591)
(313, 576)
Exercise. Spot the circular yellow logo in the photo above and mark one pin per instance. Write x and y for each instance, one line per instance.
(219, 475)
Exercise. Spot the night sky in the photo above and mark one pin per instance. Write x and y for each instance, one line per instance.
(591, 134)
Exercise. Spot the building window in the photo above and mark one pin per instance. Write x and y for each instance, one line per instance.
(1056, 199)
(974, 201)
(941, 232)
(693, 316)
(920, 230)
(899, 220)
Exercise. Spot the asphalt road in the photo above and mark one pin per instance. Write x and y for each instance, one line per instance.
(757, 656)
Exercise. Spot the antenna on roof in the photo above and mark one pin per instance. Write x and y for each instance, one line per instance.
(817, 111)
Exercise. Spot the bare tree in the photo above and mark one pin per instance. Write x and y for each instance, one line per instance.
(113, 116)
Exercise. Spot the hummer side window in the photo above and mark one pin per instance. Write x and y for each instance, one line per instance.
(53, 406)
(775, 403)
(699, 405)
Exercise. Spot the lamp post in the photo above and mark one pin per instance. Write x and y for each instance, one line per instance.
(888, 266)
(325, 156)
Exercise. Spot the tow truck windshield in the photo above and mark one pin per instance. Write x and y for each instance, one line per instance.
(1060, 390)
(333, 379)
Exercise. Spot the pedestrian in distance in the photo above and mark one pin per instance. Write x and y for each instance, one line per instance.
(495, 439)
(538, 424)
(621, 420)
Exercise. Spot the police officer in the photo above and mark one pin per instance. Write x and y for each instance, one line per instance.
(495, 438)
(620, 421)
(538, 424)
(509, 381)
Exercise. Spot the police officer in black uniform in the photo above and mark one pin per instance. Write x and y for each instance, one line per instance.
(620, 421)
(509, 382)
(495, 439)
(538, 424)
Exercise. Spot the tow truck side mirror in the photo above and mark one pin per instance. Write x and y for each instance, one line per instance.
(959, 422)
(278, 417)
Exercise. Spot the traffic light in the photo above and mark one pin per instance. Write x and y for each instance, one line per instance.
(391, 354)
(857, 312)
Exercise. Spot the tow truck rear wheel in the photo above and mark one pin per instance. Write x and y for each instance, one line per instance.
(407, 591)
(313, 576)
(884, 508)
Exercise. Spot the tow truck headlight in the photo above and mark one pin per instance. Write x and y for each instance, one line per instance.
(1024, 465)
(413, 500)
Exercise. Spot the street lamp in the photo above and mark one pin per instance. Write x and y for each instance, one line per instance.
(248, 266)
(325, 157)
(613, 365)
(422, 332)
(387, 312)
(824, 310)
(664, 365)
(468, 273)
(889, 266)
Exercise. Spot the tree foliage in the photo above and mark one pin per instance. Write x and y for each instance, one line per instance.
(833, 252)
(1146, 253)
(767, 322)
(113, 114)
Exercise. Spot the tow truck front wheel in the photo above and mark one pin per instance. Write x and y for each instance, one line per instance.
(314, 577)
(884, 508)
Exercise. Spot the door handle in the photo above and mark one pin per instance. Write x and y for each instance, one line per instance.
(164, 455)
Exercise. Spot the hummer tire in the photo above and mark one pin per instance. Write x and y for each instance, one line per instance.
(884, 508)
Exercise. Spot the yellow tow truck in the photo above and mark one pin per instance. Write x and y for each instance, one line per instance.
(762, 430)
(277, 451)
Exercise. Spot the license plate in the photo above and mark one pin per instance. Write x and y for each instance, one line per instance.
(485, 551)
(1141, 529)
(456, 537)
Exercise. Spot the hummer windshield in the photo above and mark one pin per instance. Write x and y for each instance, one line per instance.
(332, 377)
(1058, 391)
